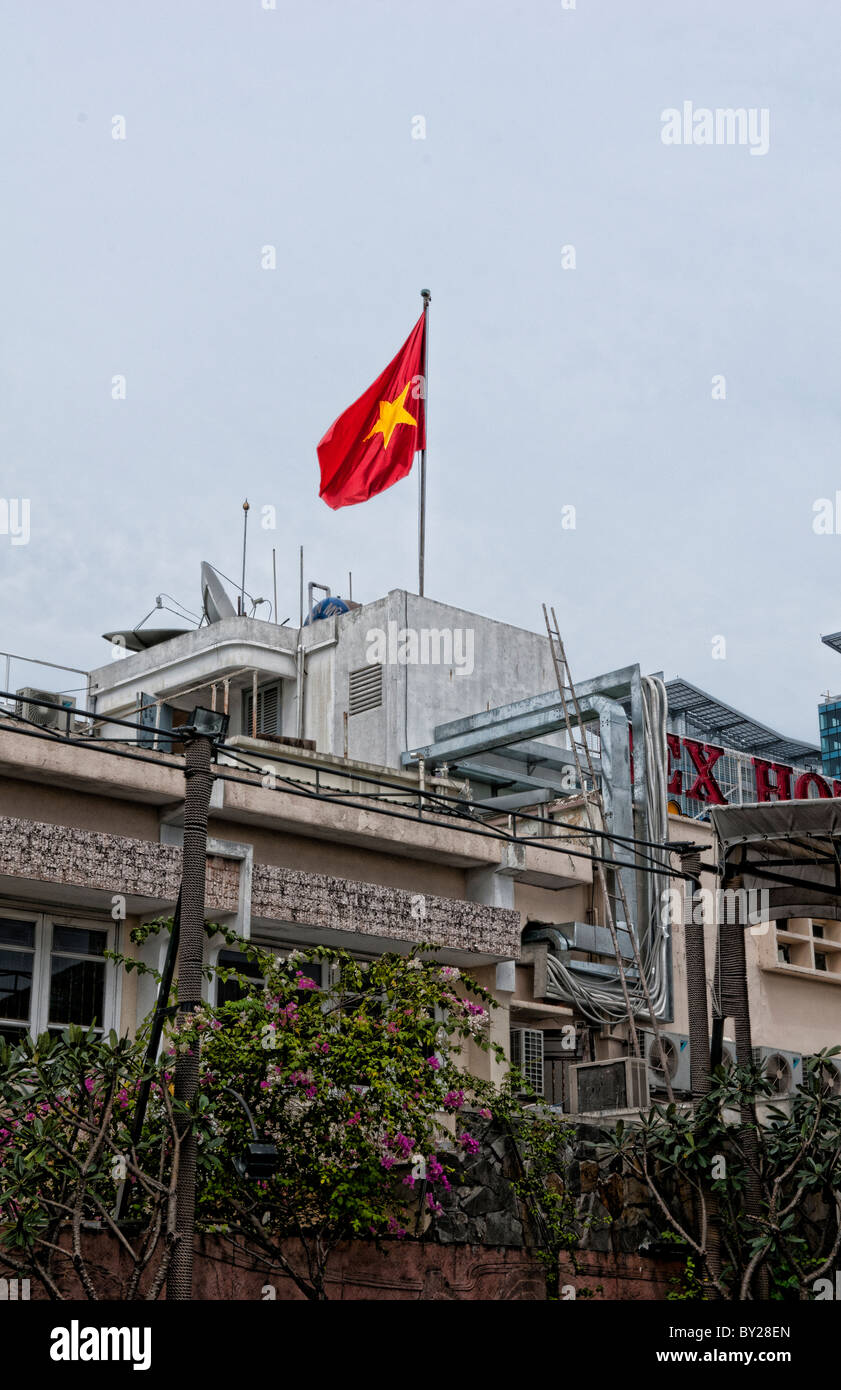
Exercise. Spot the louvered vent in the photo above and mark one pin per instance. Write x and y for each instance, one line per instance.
(268, 710)
(365, 688)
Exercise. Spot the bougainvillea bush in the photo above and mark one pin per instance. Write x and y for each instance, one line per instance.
(353, 1071)
(357, 1084)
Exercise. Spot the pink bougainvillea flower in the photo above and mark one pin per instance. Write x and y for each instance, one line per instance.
(433, 1063)
(469, 1143)
(454, 1100)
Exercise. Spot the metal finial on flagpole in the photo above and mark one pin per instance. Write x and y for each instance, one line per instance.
(426, 296)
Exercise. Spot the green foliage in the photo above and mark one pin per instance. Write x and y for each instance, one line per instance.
(702, 1165)
(543, 1151)
(350, 1083)
(360, 1085)
(67, 1105)
(686, 1287)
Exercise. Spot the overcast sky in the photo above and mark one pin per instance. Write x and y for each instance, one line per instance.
(591, 387)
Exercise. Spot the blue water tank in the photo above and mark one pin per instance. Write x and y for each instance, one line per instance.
(327, 608)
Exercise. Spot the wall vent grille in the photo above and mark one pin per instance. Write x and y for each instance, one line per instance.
(365, 689)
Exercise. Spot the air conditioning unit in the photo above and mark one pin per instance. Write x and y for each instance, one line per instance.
(831, 1076)
(676, 1048)
(618, 1084)
(527, 1056)
(27, 707)
(728, 1054)
(783, 1069)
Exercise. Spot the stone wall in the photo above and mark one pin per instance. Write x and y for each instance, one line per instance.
(394, 914)
(149, 873)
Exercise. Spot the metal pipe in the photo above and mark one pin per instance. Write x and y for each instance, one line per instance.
(426, 296)
(54, 666)
(254, 705)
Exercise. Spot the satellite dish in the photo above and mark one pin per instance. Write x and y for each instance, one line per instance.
(215, 601)
(139, 639)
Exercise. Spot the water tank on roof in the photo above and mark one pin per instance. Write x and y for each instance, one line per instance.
(327, 608)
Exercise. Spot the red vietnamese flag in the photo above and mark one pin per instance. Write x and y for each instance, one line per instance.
(373, 443)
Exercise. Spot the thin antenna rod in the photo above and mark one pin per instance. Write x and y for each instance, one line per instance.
(244, 540)
(274, 580)
(350, 586)
(301, 592)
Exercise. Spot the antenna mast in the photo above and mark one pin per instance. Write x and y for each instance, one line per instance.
(244, 540)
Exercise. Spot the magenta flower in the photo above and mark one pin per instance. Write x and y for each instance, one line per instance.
(433, 1063)
(454, 1100)
(469, 1143)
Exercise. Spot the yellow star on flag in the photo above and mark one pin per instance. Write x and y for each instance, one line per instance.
(392, 414)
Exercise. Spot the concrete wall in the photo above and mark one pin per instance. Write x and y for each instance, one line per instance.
(508, 663)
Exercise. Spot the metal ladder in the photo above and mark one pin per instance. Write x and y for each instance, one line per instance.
(583, 758)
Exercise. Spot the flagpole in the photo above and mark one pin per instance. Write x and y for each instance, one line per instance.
(426, 296)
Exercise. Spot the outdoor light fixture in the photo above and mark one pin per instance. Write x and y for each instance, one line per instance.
(258, 1159)
(206, 723)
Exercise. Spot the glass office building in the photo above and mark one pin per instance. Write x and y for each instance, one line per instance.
(829, 718)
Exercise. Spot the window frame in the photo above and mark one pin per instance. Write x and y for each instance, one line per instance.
(42, 955)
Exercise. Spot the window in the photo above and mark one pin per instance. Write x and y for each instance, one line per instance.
(820, 960)
(53, 973)
(269, 706)
(229, 991)
(817, 930)
(17, 968)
